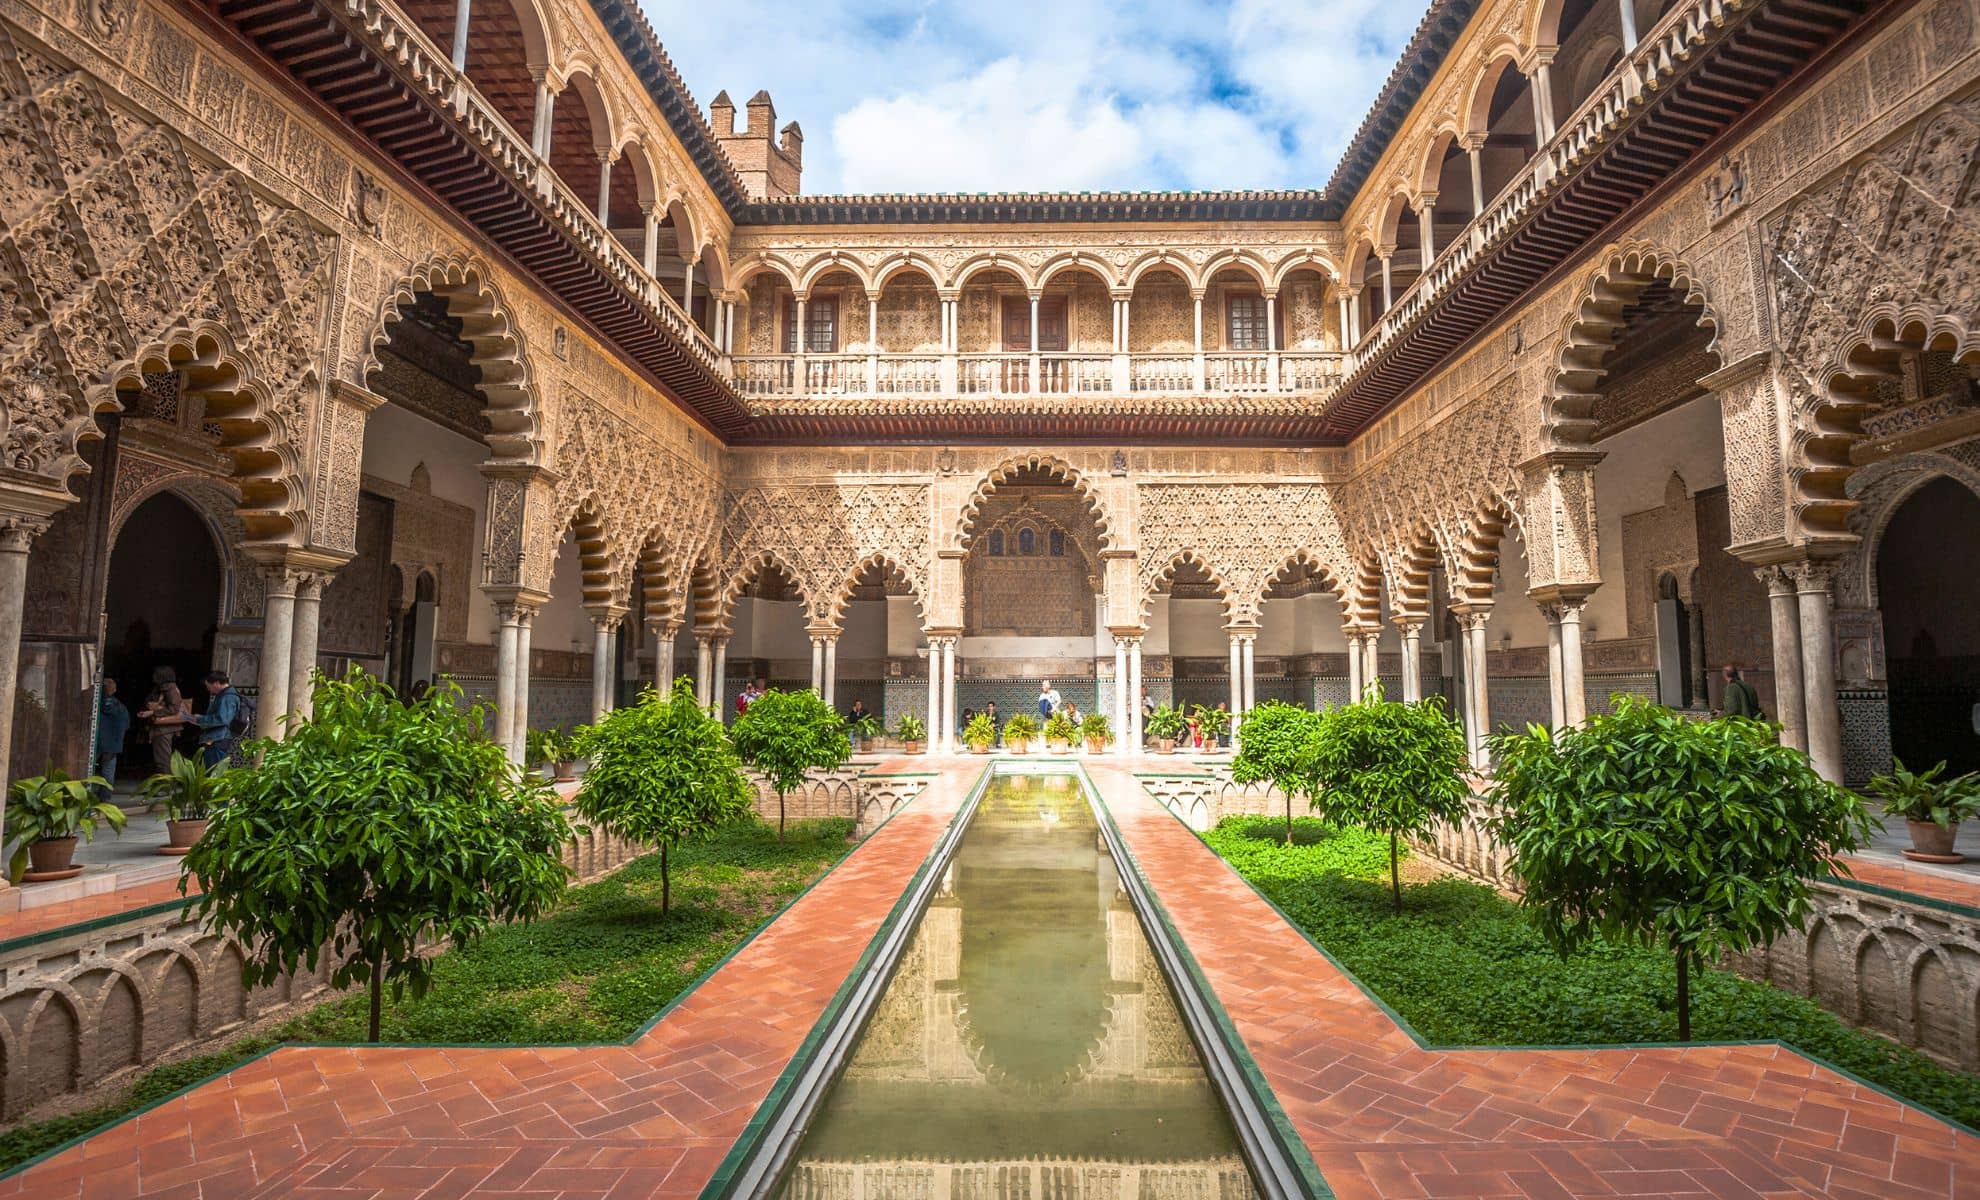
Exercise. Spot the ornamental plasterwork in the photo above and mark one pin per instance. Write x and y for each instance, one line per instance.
(824, 534)
(1241, 534)
(129, 253)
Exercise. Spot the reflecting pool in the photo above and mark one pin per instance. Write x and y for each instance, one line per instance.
(1027, 1047)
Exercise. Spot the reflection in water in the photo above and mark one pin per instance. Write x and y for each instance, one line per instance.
(1027, 1047)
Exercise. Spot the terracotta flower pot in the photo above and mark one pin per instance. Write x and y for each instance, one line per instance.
(51, 858)
(1016, 745)
(565, 770)
(979, 747)
(181, 836)
(1096, 745)
(1057, 747)
(1165, 745)
(1933, 843)
(866, 745)
(910, 747)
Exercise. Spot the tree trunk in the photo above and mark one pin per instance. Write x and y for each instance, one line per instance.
(377, 994)
(1395, 874)
(1289, 818)
(780, 818)
(1684, 995)
(666, 885)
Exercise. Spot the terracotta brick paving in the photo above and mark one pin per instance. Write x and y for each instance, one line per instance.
(1898, 877)
(649, 1119)
(1384, 1117)
(24, 922)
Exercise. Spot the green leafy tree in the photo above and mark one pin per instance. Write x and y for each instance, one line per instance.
(1275, 743)
(788, 735)
(1696, 836)
(369, 831)
(662, 773)
(1388, 767)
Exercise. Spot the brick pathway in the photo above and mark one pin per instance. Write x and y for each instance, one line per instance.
(1898, 877)
(25, 922)
(649, 1119)
(1384, 1117)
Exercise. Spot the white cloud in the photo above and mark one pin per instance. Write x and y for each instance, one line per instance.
(1033, 95)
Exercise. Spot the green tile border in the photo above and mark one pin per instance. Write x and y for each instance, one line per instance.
(1425, 1044)
(679, 999)
(750, 1142)
(76, 928)
(1854, 884)
(1291, 1144)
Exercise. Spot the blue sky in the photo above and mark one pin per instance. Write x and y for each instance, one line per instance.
(1036, 95)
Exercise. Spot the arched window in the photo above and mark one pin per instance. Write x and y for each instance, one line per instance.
(1027, 540)
(1058, 543)
(996, 543)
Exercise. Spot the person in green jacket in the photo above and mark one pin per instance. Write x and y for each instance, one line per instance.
(1739, 698)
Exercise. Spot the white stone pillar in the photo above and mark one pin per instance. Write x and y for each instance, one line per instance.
(1426, 229)
(1477, 181)
(649, 242)
(718, 681)
(687, 290)
(664, 633)
(704, 663)
(934, 694)
(525, 622)
(1481, 687)
(278, 623)
(1789, 703)
(505, 675)
(1574, 685)
(603, 626)
(1237, 677)
(873, 343)
(1371, 671)
(1354, 664)
(539, 137)
(302, 644)
(1812, 582)
(1272, 341)
(1250, 660)
(1135, 687)
(1036, 383)
(1121, 698)
(729, 327)
(831, 669)
(605, 189)
(949, 730)
(1388, 288)
(1412, 660)
(1556, 706)
(818, 665)
(461, 8)
(1471, 646)
(1626, 10)
(1198, 344)
(17, 534)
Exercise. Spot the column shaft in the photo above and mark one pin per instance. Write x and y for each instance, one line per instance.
(831, 670)
(704, 661)
(1574, 686)
(1134, 695)
(505, 676)
(934, 695)
(308, 621)
(1789, 703)
(1121, 699)
(601, 669)
(15, 538)
(525, 621)
(718, 676)
(1556, 707)
(1354, 661)
(1250, 673)
(1412, 661)
(1818, 667)
(1237, 677)
(278, 622)
(949, 730)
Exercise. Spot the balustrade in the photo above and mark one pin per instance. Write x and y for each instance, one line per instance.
(1010, 375)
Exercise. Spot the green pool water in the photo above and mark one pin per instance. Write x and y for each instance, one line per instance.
(1027, 1047)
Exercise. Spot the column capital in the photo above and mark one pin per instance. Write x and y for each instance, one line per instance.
(605, 618)
(823, 633)
(1409, 625)
(1470, 617)
(1424, 202)
(17, 533)
(1812, 575)
(1775, 578)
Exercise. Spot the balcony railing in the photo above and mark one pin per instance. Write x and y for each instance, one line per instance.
(1667, 45)
(1010, 375)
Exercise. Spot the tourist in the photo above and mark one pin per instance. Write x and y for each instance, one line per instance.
(1224, 738)
(990, 710)
(853, 715)
(419, 691)
(1048, 700)
(1739, 699)
(223, 722)
(113, 723)
(166, 709)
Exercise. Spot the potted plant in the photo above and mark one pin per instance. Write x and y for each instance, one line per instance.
(911, 733)
(866, 728)
(1215, 722)
(553, 748)
(1060, 732)
(980, 734)
(45, 816)
(1165, 725)
(1094, 728)
(188, 792)
(1018, 732)
(1931, 806)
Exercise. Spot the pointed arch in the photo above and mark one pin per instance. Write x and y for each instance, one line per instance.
(747, 573)
(487, 324)
(1103, 519)
(1588, 333)
(1475, 572)
(890, 566)
(1227, 593)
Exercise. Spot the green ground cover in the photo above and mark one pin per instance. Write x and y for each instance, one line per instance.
(1463, 965)
(595, 970)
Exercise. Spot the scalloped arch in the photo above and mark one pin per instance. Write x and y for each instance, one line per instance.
(992, 479)
(842, 594)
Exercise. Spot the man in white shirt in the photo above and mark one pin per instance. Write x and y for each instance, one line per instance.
(1048, 700)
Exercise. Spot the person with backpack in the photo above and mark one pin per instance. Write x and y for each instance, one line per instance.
(228, 717)
(1739, 699)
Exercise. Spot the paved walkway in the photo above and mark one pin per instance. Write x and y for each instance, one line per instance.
(650, 1119)
(1385, 1117)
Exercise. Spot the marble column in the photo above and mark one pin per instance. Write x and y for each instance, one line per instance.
(604, 625)
(1354, 662)
(1237, 676)
(664, 633)
(949, 730)
(505, 675)
(1471, 630)
(718, 676)
(1371, 670)
(1250, 672)
(1122, 699)
(461, 12)
(17, 534)
(1790, 707)
(1556, 706)
(278, 623)
(1134, 693)
(934, 694)
(1813, 580)
(525, 622)
(831, 669)
(818, 665)
(1574, 682)
(1412, 659)
(308, 622)
(704, 663)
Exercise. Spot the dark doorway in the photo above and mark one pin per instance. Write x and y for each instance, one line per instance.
(1929, 593)
(161, 607)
